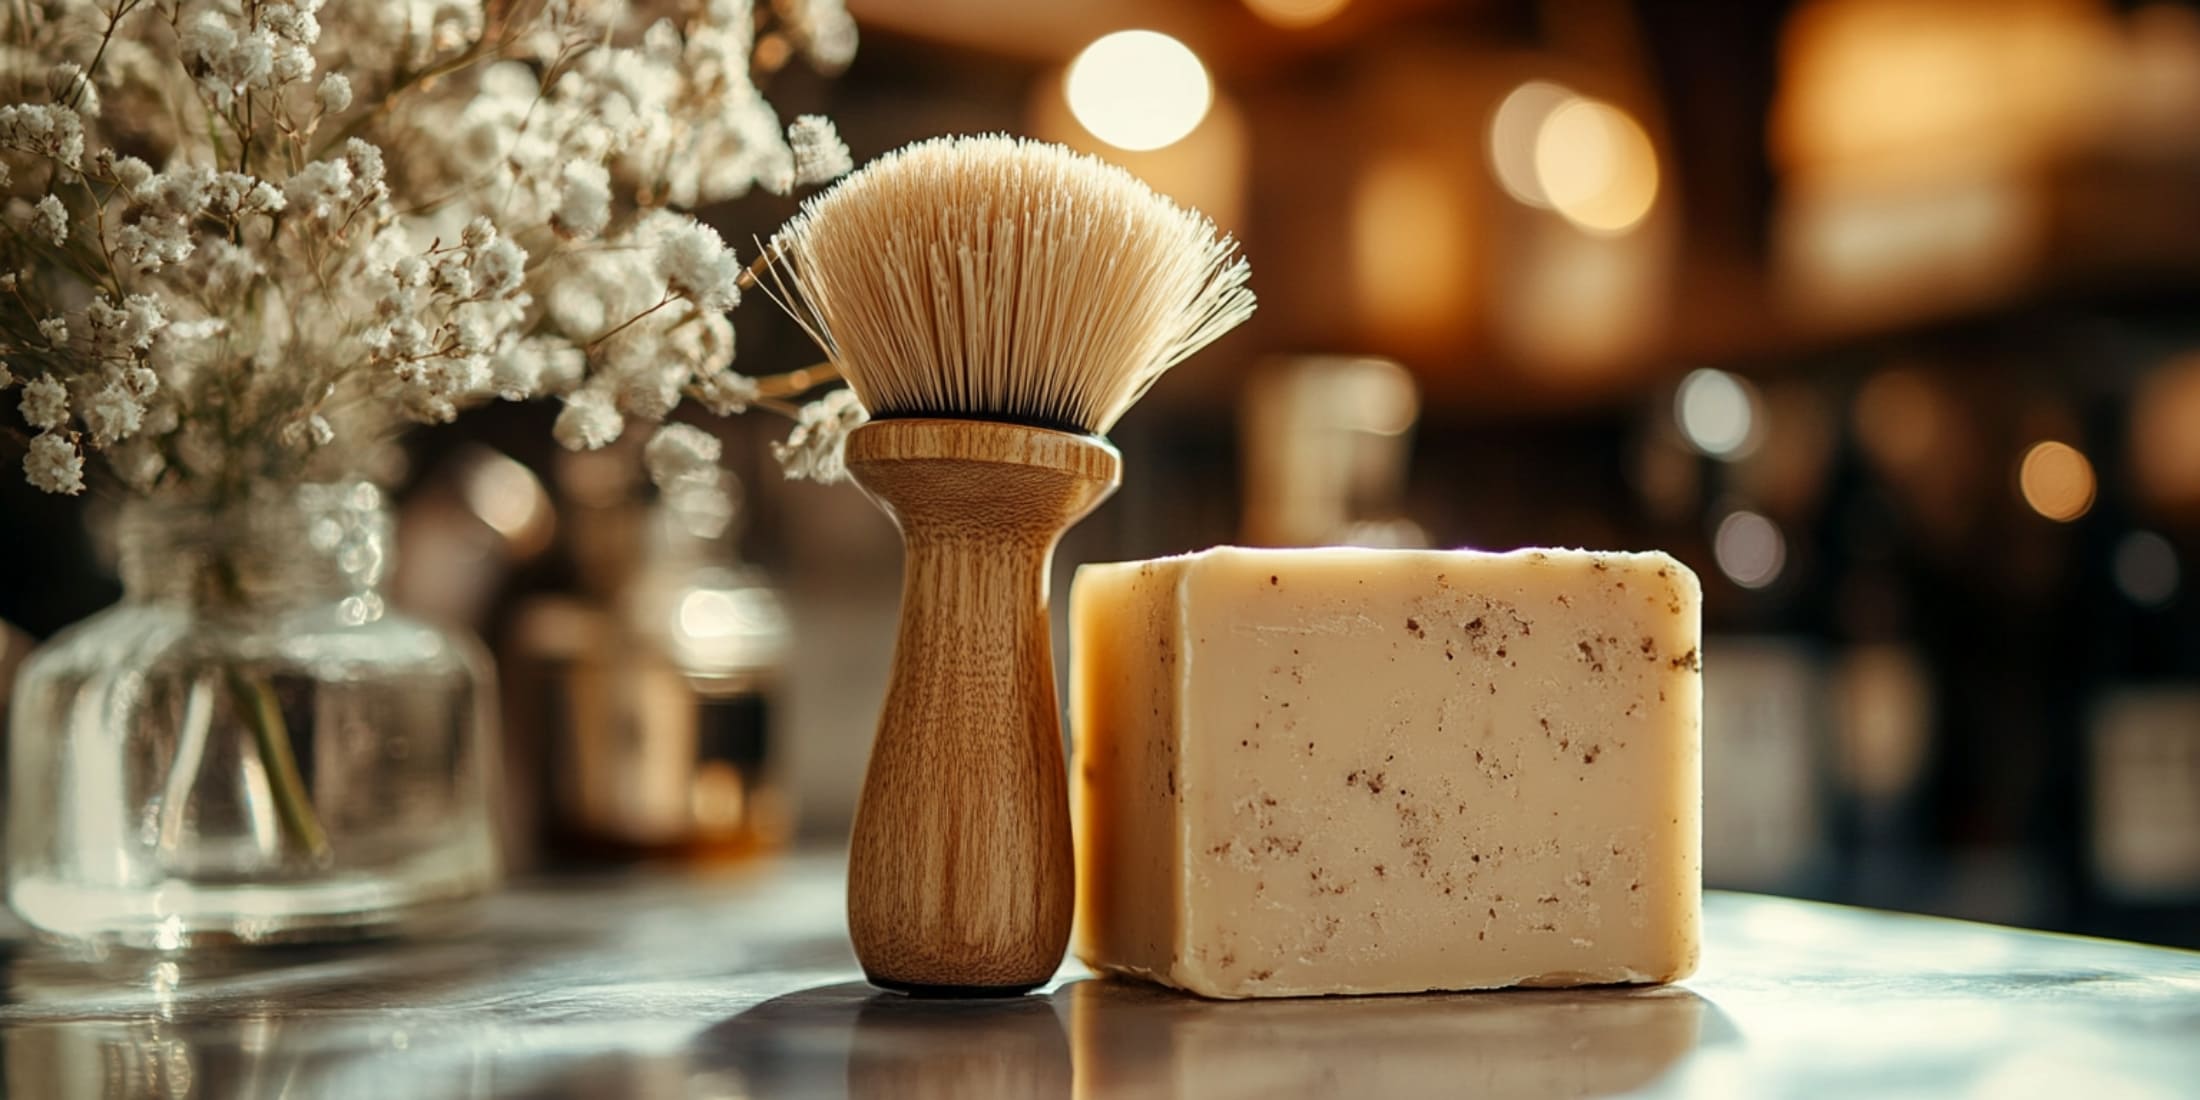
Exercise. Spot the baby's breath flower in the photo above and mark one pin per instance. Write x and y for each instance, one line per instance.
(43, 129)
(321, 189)
(696, 264)
(132, 172)
(679, 451)
(142, 382)
(819, 154)
(817, 447)
(51, 220)
(588, 421)
(283, 283)
(53, 464)
(112, 414)
(724, 392)
(584, 205)
(535, 366)
(7, 377)
(499, 267)
(67, 83)
(308, 433)
(151, 243)
(334, 93)
(45, 403)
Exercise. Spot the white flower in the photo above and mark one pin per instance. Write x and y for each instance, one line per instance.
(321, 189)
(51, 221)
(828, 35)
(232, 193)
(142, 382)
(697, 265)
(536, 366)
(7, 377)
(45, 403)
(308, 433)
(130, 326)
(112, 414)
(500, 267)
(54, 329)
(67, 83)
(725, 393)
(132, 173)
(151, 243)
(181, 193)
(819, 154)
(366, 162)
(334, 93)
(43, 129)
(678, 451)
(52, 464)
(817, 447)
(231, 57)
(588, 421)
(584, 205)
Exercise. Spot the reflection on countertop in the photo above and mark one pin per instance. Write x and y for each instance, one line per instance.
(649, 986)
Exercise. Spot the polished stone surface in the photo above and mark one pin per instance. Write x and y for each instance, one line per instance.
(741, 986)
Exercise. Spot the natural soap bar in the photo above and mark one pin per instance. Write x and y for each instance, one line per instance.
(1370, 771)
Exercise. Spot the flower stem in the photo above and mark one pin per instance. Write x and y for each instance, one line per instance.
(254, 699)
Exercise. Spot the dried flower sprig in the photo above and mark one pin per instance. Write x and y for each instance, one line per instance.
(247, 241)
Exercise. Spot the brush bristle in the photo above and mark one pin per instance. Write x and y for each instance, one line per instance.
(1001, 278)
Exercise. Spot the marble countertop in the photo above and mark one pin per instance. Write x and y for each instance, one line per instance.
(742, 985)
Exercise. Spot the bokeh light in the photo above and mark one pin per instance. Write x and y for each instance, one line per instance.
(1749, 549)
(1596, 166)
(2146, 568)
(1898, 419)
(1293, 14)
(2056, 481)
(1717, 413)
(2165, 435)
(1409, 238)
(1138, 90)
(1513, 128)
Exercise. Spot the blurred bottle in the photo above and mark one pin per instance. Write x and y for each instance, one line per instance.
(650, 690)
(1328, 441)
(2136, 768)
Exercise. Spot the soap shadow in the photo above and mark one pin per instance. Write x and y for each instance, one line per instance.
(1103, 1039)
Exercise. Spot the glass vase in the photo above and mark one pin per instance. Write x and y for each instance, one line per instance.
(251, 746)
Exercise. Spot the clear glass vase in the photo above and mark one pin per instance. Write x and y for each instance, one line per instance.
(250, 747)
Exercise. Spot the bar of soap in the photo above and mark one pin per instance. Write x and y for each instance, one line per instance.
(1304, 772)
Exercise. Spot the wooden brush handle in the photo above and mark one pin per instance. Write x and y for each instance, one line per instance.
(960, 876)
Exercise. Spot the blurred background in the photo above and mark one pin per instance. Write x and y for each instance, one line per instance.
(1881, 314)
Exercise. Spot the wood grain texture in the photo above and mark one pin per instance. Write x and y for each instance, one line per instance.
(960, 873)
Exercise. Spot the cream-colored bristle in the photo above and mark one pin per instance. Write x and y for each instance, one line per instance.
(1003, 278)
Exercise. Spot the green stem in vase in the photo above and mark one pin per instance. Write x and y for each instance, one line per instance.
(253, 697)
(255, 701)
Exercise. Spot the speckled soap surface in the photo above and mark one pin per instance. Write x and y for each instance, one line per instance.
(1326, 771)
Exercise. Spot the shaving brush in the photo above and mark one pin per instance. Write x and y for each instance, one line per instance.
(996, 304)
